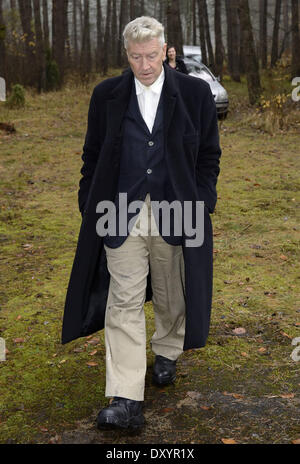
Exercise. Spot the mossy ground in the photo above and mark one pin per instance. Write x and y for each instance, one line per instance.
(244, 387)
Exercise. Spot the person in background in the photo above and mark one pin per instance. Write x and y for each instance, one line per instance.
(174, 62)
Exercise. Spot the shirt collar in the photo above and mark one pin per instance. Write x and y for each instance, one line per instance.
(155, 87)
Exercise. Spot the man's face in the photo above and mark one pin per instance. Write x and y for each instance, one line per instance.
(145, 59)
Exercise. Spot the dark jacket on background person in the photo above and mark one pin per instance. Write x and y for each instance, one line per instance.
(192, 152)
(180, 65)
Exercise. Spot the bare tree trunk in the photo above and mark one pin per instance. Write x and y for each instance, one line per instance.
(286, 24)
(218, 38)
(59, 36)
(40, 51)
(81, 19)
(86, 55)
(75, 35)
(68, 57)
(123, 20)
(46, 25)
(251, 63)
(274, 52)
(233, 40)
(106, 38)
(174, 30)
(162, 10)
(114, 33)
(263, 42)
(295, 39)
(13, 7)
(2, 43)
(188, 15)
(194, 22)
(30, 64)
(99, 37)
(211, 58)
(132, 10)
(202, 32)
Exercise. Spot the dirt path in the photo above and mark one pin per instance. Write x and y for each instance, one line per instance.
(194, 411)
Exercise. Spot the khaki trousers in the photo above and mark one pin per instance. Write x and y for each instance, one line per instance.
(125, 329)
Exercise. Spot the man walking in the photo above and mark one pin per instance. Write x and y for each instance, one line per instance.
(152, 137)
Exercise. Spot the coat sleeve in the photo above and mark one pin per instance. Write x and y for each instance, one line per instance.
(90, 154)
(207, 167)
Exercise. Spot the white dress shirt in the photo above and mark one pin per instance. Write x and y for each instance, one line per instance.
(148, 98)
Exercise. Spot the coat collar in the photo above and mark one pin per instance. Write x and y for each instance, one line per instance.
(117, 104)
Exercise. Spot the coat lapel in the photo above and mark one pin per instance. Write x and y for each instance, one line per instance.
(170, 92)
(117, 105)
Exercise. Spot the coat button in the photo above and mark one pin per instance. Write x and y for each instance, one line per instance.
(150, 143)
(149, 171)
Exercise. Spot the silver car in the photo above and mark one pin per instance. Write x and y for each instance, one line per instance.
(198, 69)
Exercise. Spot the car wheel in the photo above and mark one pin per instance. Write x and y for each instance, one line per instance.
(223, 116)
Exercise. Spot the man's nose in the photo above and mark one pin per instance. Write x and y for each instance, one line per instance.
(145, 63)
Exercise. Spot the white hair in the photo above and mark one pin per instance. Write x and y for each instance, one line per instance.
(143, 29)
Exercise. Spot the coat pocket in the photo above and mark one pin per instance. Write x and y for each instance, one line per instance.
(191, 146)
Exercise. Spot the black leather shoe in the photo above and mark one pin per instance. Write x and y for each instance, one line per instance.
(121, 413)
(164, 370)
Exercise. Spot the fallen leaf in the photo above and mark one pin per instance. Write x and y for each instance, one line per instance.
(228, 441)
(167, 410)
(206, 408)
(296, 442)
(92, 353)
(43, 429)
(91, 363)
(285, 334)
(262, 349)
(18, 340)
(18, 318)
(94, 341)
(283, 257)
(235, 395)
(243, 353)
(62, 361)
(287, 395)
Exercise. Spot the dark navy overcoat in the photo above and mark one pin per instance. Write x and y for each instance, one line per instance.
(192, 154)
